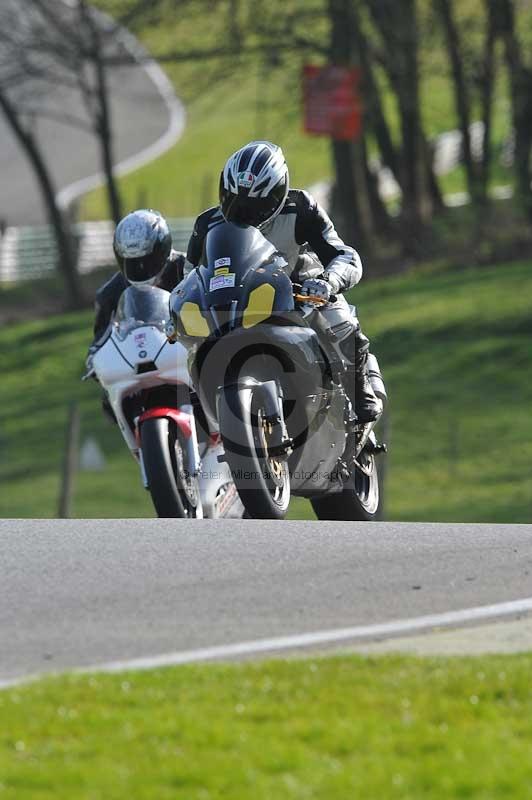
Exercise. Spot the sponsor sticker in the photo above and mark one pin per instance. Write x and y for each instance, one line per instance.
(222, 282)
(140, 340)
(225, 499)
(222, 271)
(222, 262)
(245, 179)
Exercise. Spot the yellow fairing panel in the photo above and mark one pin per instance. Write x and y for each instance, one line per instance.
(192, 320)
(260, 305)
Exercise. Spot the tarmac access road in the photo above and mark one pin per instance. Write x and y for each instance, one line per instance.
(147, 119)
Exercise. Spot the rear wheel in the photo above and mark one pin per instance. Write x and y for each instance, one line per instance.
(262, 480)
(360, 498)
(174, 492)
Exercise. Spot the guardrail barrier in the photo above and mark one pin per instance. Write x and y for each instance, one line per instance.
(30, 252)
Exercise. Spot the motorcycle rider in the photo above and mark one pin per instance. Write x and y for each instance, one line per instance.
(142, 246)
(254, 190)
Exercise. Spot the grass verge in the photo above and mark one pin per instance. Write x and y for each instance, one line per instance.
(331, 728)
(454, 347)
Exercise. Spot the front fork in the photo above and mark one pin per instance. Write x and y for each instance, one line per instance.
(192, 447)
(279, 443)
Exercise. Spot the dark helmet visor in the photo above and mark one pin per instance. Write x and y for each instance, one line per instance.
(143, 268)
(248, 210)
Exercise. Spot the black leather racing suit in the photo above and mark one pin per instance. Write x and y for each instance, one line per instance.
(300, 227)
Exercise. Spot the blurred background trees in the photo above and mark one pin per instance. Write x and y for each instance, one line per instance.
(51, 52)
(476, 47)
(476, 51)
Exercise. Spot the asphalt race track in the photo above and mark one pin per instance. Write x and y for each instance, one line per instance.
(79, 593)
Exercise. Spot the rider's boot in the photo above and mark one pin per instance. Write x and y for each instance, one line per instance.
(358, 387)
(368, 407)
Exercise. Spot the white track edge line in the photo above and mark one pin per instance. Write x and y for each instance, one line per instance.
(296, 641)
(174, 131)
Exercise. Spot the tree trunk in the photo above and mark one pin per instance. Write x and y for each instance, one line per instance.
(105, 138)
(488, 80)
(66, 262)
(434, 190)
(521, 91)
(396, 24)
(381, 218)
(461, 95)
(417, 205)
(346, 206)
(350, 202)
(374, 121)
(102, 112)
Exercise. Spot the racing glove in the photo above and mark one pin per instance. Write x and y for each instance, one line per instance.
(317, 288)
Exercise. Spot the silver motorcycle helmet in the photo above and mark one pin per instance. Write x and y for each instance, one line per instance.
(254, 184)
(142, 244)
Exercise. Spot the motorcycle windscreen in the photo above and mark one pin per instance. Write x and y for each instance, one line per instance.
(141, 305)
(235, 249)
(243, 276)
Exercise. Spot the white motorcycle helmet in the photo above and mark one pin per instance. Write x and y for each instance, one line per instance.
(254, 184)
(142, 244)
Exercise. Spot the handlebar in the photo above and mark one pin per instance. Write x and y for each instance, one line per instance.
(314, 299)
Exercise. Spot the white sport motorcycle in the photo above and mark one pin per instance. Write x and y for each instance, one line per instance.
(149, 389)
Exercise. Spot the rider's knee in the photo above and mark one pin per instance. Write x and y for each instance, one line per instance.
(341, 318)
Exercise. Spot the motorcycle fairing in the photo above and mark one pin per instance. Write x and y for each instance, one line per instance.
(242, 282)
(313, 404)
(183, 420)
(137, 394)
(255, 332)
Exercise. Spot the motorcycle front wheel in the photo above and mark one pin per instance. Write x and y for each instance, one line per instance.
(262, 481)
(360, 498)
(175, 494)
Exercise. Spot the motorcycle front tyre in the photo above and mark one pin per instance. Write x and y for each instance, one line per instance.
(161, 439)
(263, 484)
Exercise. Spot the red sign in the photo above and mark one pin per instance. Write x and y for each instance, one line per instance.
(332, 101)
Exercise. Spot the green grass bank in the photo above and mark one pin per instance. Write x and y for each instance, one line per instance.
(454, 347)
(390, 728)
